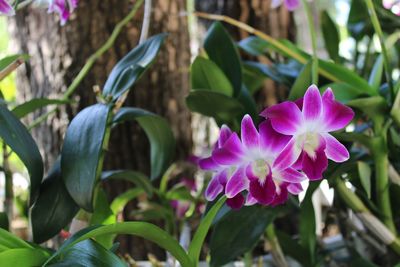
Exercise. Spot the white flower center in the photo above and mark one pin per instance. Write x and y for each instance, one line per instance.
(261, 169)
(309, 142)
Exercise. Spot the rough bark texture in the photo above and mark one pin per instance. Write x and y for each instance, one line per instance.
(58, 53)
(277, 22)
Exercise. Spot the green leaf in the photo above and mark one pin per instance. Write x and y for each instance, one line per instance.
(222, 50)
(375, 78)
(266, 71)
(54, 209)
(16, 136)
(4, 223)
(248, 103)
(118, 204)
(343, 92)
(364, 172)
(253, 79)
(89, 253)
(9, 241)
(254, 45)
(138, 178)
(141, 229)
(238, 232)
(132, 66)
(202, 230)
(205, 74)
(23, 257)
(34, 104)
(82, 152)
(219, 106)
(293, 249)
(103, 215)
(161, 137)
(302, 82)
(372, 106)
(4, 62)
(331, 36)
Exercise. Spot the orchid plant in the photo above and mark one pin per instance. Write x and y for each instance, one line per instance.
(335, 124)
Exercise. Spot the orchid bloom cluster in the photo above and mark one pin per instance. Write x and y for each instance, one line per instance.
(293, 144)
(63, 7)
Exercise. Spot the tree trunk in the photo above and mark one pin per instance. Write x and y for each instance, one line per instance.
(278, 23)
(57, 54)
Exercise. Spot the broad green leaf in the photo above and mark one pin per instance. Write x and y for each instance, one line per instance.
(222, 50)
(343, 92)
(375, 78)
(331, 36)
(138, 178)
(364, 172)
(248, 103)
(131, 67)
(267, 71)
(82, 152)
(161, 137)
(253, 79)
(30, 106)
(238, 232)
(119, 202)
(4, 223)
(219, 106)
(142, 229)
(358, 22)
(17, 137)
(205, 74)
(9, 241)
(372, 106)
(89, 253)
(23, 257)
(254, 46)
(103, 215)
(54, 208)
(293, 249)
(4, 62)
(302, 82)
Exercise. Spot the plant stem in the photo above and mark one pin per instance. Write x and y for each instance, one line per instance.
(370, 221)
(313, 35)
(91, 60)
(276, 249)
(378, 30)
(10, 68)
(289, 52)
(8, 187)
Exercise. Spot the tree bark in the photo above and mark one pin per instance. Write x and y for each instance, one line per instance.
(57, 54)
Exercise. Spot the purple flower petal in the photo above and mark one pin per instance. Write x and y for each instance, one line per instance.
(271, 142)
(263, 193)
(250, 200)
(335, 150)
(237, 183)
(285, 117)
(291, 4)
(208, 164)
(288, 156)
(280, 197)
(230, 153)
(313, 167)
(312, 104)
(235, 202)
(335, 115)
(250, 137)
(295, 189)
(223, 177)
(214, 188)
(290, 175)
(6, 8)
(224, 135)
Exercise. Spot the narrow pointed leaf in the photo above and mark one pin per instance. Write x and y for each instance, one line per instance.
(331, 36)
(23, 257)
(34, 104)
(302, 82)
(82, 152)
(131, 67)
(138, 178)
(17, 137)
(375, 78)
(364, 172)
(161, 137)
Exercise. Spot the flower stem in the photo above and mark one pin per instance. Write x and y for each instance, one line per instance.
(91, 60)
(370, 221)
(313, 35)
(276, 249)
(378, 30)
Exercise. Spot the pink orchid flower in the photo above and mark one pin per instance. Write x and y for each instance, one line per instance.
(393, 5)
(309, 125)
(290, 4)
(6, 8)
(64, 8)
